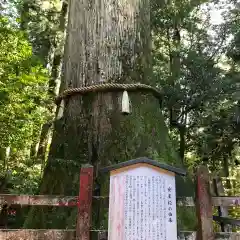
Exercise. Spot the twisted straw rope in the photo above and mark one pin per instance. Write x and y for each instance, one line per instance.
(107, 87)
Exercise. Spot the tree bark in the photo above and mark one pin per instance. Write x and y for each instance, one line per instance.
(24, 15)
(55, 79)
(43, 142)
(110, 37)
(226, 160)
(3, 157)
(182, 132)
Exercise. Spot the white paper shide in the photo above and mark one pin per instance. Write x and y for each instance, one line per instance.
(142, 205)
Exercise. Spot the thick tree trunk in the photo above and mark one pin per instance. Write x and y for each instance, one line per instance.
(112, 37)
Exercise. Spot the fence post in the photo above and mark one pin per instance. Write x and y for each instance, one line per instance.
(222, 211)
(102, 236)
(204, 205)
(85, 203)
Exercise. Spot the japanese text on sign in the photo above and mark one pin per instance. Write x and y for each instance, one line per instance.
(142, 205)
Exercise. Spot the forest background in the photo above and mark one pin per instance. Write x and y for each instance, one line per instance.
(195, 63)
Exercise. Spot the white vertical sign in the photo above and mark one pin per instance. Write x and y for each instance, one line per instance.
(142, 204)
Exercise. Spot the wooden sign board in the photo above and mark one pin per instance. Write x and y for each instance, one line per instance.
(142, 204)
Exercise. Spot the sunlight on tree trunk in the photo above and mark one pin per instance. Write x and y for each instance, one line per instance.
(54, 66)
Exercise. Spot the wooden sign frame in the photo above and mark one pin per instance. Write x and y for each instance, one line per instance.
(147, 182)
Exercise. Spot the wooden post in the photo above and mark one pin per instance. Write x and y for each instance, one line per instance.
(85, 203)
(204, 205)
(102, 236)
(222, 211)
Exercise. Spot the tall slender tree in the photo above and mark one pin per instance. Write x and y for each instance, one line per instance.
(55, 78)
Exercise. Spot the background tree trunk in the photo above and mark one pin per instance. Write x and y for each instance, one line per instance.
(110, 37)
(43, 142)
(55, 80)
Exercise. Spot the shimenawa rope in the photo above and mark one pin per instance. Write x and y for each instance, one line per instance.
(108, 87)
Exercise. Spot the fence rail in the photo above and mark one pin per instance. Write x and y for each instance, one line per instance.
(38, 200)
(52, 234)
(204, 203)
(67, 201)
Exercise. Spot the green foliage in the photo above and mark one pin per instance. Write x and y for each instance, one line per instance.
(23, 107)
(40, 21)
(23, 88)
(234, 23)
(196, 63)
(200, 82)
(28, 176)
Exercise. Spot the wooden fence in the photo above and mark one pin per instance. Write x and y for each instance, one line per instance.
(204, 206)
